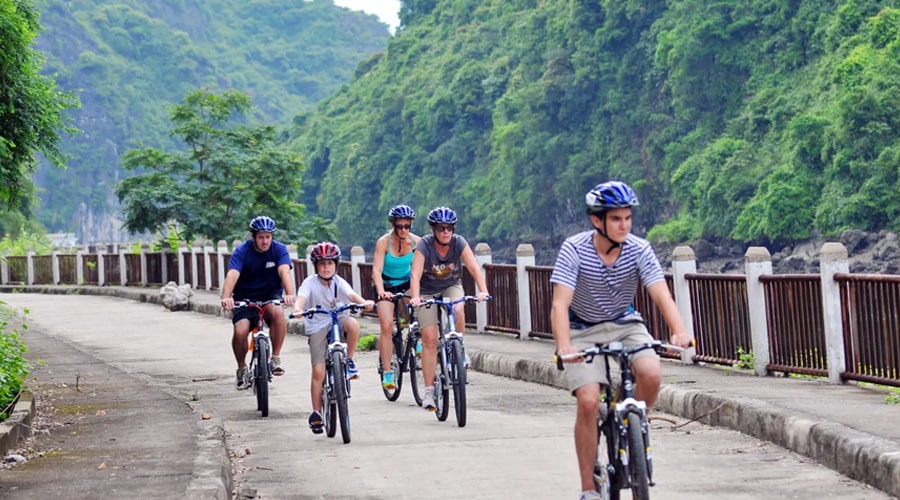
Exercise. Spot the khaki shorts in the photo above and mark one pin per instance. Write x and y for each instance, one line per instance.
(318, 343)
(428, 316)
(630, 334)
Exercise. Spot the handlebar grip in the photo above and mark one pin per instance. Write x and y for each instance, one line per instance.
(559, 361)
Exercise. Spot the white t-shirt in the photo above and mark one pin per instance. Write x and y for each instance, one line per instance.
(316, 294)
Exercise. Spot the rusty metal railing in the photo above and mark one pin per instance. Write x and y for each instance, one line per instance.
(91, 273)
(43, 270)
(503, 309)
(112, 270)
(154, 268)
(721, 316)
(541, 299)
(133, 269)
(68, 273)
(870, 307)
(795, 324)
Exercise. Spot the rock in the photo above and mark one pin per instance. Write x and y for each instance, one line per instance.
(13, 457)
(888, 249)
(175, 297)
(855, 241)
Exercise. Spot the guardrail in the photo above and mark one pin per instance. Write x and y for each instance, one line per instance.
(835, 324)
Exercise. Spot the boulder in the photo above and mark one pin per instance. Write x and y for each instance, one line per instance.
(176, 297)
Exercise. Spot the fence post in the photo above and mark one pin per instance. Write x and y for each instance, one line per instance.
(292, 252)
(221, 250)
(180, 256)
(357, 256)
(101, 271)
(524, 258)
(54, 262)
(310, 268)
(207, 269)
(684, 262)
(483, 257)
(29, 266)
(4, 269)
(164, 265)
(195, 275)
(758, 262)
(123, 268)
(833, 259)
(79, 267)
(144, 279)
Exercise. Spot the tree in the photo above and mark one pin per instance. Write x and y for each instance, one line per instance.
(229, 173)
(31, 107)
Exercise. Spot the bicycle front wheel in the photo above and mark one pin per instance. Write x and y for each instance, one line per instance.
(414, 365)
(458, 380)
(341, 393)
(442, 384)
(396, 367)
(637, 458)
(328, 406)
(261, 377)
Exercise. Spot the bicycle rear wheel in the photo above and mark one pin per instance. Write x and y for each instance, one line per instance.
(396, 367)
(414, 365)
(637, 458)
(442, 385)
(458, 380)
(341, 392)
(261, 376)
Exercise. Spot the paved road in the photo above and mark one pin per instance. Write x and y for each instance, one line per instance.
(517, 444)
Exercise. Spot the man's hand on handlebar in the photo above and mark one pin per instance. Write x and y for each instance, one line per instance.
(228, 303)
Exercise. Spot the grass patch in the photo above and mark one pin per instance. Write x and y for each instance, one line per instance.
(368, 342)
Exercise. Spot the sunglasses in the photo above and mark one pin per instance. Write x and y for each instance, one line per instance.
(402, 226)
(443, 228)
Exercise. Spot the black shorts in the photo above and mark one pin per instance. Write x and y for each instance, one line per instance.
(401, 288)
(249, 313)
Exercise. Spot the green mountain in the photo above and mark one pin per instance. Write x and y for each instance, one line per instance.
(130, 60)
(757, 120)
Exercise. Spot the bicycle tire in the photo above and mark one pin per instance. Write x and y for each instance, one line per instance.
(341, 393)
(441, 385)
(458, 380)
(261, 377)
(328, 403)
(605, 479)
(637, 458)
(414, 365)
(396, 367)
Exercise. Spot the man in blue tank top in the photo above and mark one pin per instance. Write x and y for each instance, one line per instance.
(259, 270)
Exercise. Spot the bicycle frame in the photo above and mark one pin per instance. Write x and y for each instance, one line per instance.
(404, 354)
(336, 386)
(260, 348)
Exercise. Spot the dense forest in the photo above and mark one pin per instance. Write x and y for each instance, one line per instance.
(130, 61)
(754, 120)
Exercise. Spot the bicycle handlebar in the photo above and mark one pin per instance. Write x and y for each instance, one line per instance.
(615, 349)
(441, 301)
(309, 313)
(260, 304)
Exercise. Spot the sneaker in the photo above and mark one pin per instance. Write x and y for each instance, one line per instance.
(277, 370)
(387, 381)
(352, 371)
(315, 422)
(243, 379)
(428, 400)
(590, 495)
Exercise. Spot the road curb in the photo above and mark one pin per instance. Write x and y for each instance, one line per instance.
(18, 426)
(870, 459)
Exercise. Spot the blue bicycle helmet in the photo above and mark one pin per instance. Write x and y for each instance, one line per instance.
(442, 215)
(262, 223)
(401, 212)
(609, 195)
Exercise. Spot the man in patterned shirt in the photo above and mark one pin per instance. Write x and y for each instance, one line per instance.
(595, 280)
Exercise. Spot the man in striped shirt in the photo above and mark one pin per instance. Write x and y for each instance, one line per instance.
(595, 280)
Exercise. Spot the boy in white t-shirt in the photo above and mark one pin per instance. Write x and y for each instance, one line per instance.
(327, 289)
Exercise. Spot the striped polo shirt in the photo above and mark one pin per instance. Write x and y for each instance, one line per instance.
(604, 292)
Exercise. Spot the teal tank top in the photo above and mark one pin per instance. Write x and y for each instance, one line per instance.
(396, 269)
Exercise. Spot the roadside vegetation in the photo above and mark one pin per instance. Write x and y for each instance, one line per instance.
(13, 365)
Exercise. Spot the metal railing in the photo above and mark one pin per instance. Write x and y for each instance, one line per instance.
(721, 317)
(870, 307)
(795, 325)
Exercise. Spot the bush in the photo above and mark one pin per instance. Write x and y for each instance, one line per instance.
(368, 342)
(13, 365)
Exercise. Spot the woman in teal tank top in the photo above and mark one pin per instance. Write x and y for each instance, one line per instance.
(391, 266)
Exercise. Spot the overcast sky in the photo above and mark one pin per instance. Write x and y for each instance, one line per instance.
(386, 10)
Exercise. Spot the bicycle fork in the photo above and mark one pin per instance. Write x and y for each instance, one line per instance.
(632, 408)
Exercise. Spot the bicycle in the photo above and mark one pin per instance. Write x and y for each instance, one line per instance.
(336, 386)
(403, 357)
(260, 348)
(624, 460)
(450, 369)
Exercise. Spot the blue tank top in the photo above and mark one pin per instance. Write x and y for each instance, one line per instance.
(396, 270)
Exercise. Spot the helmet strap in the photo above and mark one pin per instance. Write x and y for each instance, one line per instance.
(605, 236)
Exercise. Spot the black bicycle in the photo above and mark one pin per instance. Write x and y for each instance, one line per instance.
(623, 438)
(403, 357)
(336, 386)
(260, 348)
(450, 369)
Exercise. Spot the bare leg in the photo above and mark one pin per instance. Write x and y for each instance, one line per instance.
(386, 342)
(315, 386)
(649, 377)
(586, 433)
(277, 328)
(239, 342)
(429, 353)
